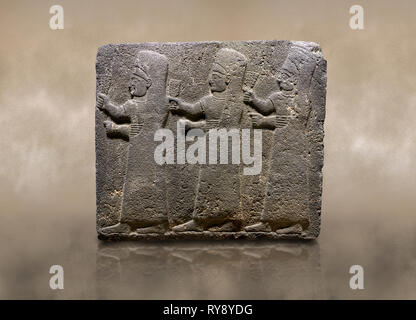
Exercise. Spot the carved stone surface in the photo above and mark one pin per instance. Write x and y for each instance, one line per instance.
(272, 90)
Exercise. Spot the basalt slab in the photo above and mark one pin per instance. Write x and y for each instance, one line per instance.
(209, 140)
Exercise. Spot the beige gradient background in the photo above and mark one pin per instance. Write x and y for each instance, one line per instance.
(47, 161)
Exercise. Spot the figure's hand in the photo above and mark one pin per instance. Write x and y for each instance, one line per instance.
(173, 104)
(108, 125)
(248, 96)
(102, 100)
(256, 119)
(183, 123)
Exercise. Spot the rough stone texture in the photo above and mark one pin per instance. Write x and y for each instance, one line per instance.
(276, 86)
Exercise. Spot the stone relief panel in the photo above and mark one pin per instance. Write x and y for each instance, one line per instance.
(210, 140)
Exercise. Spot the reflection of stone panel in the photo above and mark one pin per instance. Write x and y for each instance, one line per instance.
(277, 87)
(243, 270)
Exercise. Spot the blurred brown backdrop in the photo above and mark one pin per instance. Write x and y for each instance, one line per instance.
(47, 161)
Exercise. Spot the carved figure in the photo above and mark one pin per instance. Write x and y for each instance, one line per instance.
(217, 203)
(286, 200)
(144, 208)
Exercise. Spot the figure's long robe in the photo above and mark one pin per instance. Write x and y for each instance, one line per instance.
(218, 197)
(287, 196)
(144, 192)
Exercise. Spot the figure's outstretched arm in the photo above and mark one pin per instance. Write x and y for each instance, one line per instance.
(265, 107)
(116, 112)
(189, 110)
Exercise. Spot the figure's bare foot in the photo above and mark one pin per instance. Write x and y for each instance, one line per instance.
(295, 229)
(160, 228)
(117, 228)
(191, 225)
(258, 227)
(226, 227)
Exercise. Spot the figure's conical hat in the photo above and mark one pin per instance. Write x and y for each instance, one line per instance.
(156, 67)
(300, 62)
(229, 62)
